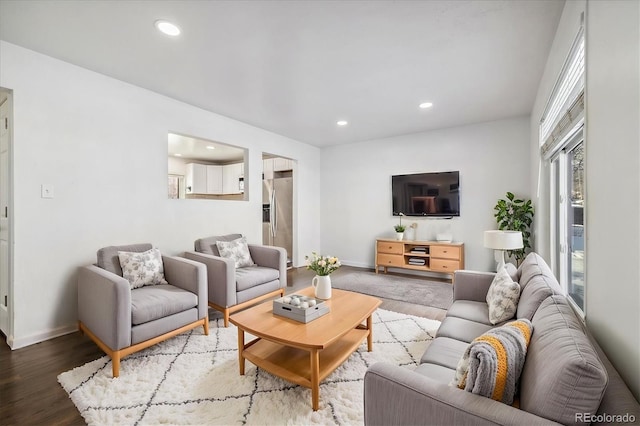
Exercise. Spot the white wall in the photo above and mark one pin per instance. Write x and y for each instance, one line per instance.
(612, 136)
(102, 143)
(356, 186)
(613, 162)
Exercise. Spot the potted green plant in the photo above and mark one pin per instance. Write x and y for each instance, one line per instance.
(400, 228)
(515, 214)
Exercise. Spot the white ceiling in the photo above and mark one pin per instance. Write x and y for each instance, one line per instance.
(296, 67)
(189, 148)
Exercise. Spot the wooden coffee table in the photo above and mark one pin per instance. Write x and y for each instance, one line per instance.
(301, 353)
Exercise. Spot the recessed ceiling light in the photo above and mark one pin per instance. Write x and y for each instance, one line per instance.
(178, 155)
(426, 105)
(167, 27)
(211, 147)
(342, 123)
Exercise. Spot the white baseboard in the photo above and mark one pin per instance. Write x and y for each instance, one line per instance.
(40, 337)
(357, 264)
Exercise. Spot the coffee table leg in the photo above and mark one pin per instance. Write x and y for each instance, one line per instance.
(315, 376)
(240, 350)
(370, 335)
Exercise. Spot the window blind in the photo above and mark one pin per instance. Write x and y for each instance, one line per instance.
(565, 108)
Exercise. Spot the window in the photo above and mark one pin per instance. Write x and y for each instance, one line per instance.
(562, 144)
(568, 210)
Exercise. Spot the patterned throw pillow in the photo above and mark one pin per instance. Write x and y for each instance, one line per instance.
(502, 297)
(142, 269)
(237, 250)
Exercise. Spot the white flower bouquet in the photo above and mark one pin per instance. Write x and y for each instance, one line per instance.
(322, 265)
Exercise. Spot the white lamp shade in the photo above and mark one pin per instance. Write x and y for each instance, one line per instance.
(503, 240)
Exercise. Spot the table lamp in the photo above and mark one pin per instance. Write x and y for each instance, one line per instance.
(502, 241)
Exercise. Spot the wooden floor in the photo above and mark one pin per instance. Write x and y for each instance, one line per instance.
(29, 389)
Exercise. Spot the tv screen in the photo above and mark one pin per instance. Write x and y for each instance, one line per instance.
(426, 194)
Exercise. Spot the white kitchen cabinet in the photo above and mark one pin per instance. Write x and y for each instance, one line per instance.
(267, 168)
(231, 174)
(214, 180)
(281, 164)
(196, 178)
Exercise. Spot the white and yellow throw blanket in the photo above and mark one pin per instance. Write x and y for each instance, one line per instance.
(492, 363)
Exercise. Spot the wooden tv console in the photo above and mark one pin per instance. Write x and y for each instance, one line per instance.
(436, 256)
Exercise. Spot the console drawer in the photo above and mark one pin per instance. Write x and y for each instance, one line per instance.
(442, 265)
(390, 247)
(389, 260)
(445, 252)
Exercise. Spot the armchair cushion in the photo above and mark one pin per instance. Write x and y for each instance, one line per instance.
(108, 256)
(208, 245)
(159, 301)
(247, 278)
(142, 269)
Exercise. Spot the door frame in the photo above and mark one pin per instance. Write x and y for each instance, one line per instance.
(8, 330)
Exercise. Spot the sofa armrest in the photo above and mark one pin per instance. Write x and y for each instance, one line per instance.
(271, 257)
(191, 276)
(221, 278)
(471, 285)
(398, 396)
(104, 305)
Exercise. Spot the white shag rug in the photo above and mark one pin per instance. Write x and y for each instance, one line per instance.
(194, 379)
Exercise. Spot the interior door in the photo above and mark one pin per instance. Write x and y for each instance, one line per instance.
(4, 211)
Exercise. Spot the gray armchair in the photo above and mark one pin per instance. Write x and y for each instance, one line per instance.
(232, 289)
(122, 321)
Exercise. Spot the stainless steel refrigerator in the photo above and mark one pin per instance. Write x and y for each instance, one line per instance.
(277, 212)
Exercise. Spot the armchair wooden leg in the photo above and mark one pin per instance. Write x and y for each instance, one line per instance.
(115, 361)
(206, 326)
(226, 317)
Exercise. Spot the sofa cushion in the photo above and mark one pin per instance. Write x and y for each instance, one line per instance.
(461, 329)
(502, 297)
(563, 374)
(492, 363)
(247, 278)
(436, 372)
(532, 266)
(534, 292)
(445, 352)
(470, 310)
(159, 301)
(142, 269)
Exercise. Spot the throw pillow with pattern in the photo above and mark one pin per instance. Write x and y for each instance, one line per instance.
(502, 297)
(143, 268)
(236, 250)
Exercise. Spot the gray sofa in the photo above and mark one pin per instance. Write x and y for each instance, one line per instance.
(566, 379)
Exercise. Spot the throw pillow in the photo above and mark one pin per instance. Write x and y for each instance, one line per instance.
(492, 364)
(237, 250)
(502, 297)
(142, 268)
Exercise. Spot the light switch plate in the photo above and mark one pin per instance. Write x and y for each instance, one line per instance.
(46, 191)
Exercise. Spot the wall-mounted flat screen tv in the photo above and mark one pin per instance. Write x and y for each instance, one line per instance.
(426, 194)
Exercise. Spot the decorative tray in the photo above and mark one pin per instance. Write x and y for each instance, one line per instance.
(300, 308)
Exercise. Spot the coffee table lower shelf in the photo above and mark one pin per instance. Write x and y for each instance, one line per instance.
(303, 366)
